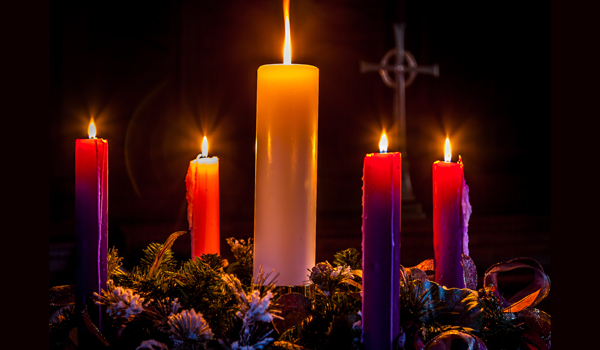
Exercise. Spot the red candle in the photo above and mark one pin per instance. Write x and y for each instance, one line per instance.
(91, 209)
(382, 174)
(202, 183)
(450, 239)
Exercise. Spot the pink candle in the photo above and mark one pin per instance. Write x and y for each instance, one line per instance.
(449, 225)
(91, 209)
(381, 248)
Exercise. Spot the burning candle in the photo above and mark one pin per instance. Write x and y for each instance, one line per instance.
(451, 211)
(91, 209)
(382, 191)
(202, 184)
(286, 167)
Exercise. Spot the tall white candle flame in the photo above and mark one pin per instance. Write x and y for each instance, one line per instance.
(287, 46)
(383, 144)
(92, 129)
(204, 148)
(447, 152)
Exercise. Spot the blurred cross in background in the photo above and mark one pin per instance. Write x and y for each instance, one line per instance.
(405, 70)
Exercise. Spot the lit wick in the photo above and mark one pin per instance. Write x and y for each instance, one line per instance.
(447, 150)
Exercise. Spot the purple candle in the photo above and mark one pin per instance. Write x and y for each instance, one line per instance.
(381, 248)
(91, 208)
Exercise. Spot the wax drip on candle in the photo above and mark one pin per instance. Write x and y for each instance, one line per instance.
(466, 210)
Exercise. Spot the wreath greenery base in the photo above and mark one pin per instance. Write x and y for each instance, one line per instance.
(211, 303)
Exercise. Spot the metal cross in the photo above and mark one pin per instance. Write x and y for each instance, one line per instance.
(409, 204)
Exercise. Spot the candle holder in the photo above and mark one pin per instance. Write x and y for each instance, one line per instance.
(307, 290)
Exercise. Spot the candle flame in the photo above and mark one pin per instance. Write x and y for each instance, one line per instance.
(287, 46)
(383, 144)
(447, 152)
(92, 129)
(204, 148)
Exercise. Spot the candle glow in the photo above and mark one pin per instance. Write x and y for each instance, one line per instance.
(447, 152)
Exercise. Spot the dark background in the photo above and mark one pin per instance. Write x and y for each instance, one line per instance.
(156, 77)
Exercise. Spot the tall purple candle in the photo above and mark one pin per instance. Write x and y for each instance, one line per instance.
(91, 209)
(381, 248)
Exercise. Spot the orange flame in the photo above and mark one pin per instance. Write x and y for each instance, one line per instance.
(447, 152)
(287, 46)
(383, 144)
(92, 129)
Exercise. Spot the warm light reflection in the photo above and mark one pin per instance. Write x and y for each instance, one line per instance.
(383, 144)
(92, 129)
(447, 152)
(287, 46)
(204, 148)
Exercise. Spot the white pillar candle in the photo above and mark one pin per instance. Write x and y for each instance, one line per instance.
(286, 170)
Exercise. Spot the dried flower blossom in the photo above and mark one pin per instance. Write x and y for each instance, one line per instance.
(255, 309)
(342, 272)
(189, 327)
(240, 248)
(256, 316)
(121, 302)
(328, 278)
(161, 310)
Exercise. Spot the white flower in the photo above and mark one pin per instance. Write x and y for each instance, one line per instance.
(124, 302)
(329, 278)
(255, 315)
(189, 327)
(256, 308)
(343, 272)
(252, 307)
(175, 305)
